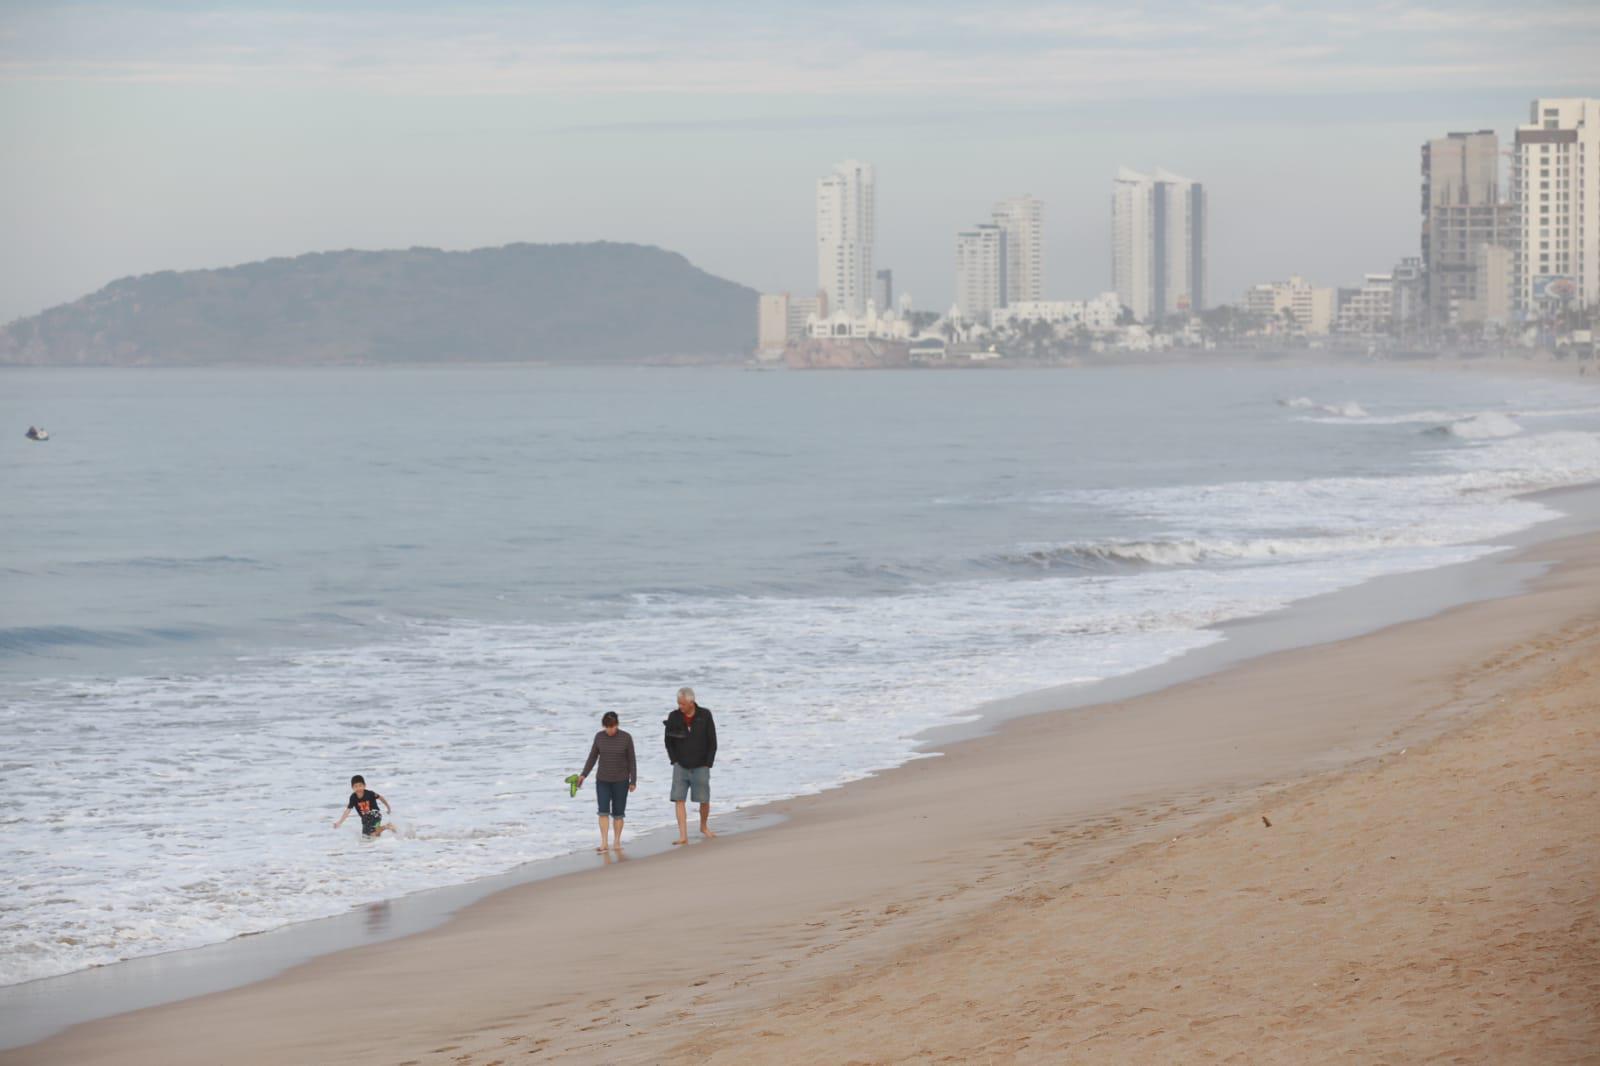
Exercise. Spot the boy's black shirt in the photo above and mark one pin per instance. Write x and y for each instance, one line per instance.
(365, 804)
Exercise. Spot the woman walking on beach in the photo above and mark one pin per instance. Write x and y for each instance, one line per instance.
(618, 776)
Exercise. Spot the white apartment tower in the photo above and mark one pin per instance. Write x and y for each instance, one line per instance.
(1158, 243)
(980, 272)
(844, 236)
(1022, 219)
(1180, 254)
(1556, 185)
(1132, 246)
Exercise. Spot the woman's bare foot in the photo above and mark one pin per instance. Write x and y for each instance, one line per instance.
(602, 847)
(705, 831)
(680, 840)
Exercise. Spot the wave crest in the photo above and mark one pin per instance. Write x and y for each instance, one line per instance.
(1489, 425)
(1348, 409)
(1193, 551)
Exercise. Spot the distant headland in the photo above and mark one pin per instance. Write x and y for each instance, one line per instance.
(547, 303)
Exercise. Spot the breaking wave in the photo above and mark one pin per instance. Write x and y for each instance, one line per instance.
(1196, 551)
(1348, 409)
(1489, 425)
(1286, 521)
(1342, 414)
(35, 640)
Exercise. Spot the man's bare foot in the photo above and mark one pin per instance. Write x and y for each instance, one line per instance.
(680, 840)
(705, 831)
(602, 847)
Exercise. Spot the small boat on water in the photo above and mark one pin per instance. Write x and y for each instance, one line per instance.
(37, 433)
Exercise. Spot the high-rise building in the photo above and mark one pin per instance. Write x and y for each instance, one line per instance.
(1555, 178)
(1022, 218)
(1491, 302)
(1410, 294)
(980, 271)
(1158, 243)
(781, 318)
(772, 322)
(802, 309)
(845, 225)
(1180, 254)
(883, 291)
(1132, 244)
(1462, 208)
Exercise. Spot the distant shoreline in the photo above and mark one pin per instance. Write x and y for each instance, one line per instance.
(1513, 360)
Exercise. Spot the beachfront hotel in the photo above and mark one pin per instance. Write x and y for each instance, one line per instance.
(1158, 243)
(845, 227)
(1311, 307)
(1556, 183)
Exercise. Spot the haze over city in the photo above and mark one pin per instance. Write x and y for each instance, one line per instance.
(170, 136)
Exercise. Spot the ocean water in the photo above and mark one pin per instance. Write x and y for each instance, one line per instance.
(224, 592)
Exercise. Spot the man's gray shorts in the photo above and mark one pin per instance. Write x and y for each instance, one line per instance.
(695, 784)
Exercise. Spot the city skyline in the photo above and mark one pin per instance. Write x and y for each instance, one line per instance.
(1488, 259)
(161, 138)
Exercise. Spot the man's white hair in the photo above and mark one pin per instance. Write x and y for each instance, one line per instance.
(686, 691)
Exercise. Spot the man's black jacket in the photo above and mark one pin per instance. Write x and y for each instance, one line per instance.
(691, 746)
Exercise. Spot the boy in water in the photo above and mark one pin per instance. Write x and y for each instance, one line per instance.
(365, 803)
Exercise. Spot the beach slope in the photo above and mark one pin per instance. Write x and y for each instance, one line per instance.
(1440, 905)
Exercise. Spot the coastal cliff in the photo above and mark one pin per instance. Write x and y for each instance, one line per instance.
(853, 354)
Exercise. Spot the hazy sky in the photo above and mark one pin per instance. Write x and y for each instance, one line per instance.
(173, 135)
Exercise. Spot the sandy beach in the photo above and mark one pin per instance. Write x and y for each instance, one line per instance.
(1095, 885)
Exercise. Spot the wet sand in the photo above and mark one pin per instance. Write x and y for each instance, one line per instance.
(1097, 884)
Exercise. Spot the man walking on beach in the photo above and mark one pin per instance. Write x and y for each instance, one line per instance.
(692, 747)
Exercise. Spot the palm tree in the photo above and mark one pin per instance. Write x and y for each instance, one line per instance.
(1039, 334)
